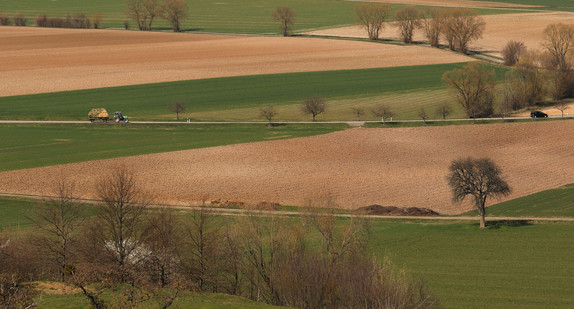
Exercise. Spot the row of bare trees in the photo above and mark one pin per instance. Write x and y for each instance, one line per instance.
(18, 19)
(144, 12)
(309, 262)
(458, 26)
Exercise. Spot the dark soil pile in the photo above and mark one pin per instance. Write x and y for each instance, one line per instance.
(396, 211)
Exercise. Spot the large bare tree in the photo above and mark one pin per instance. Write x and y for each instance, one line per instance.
(461, 27)
(559, 39)
(372, 17)
(433, 25)
(143, 12)
(120, 216)
(286, 18)
(58, 219)
(408, 19)
(478, 178)
(174, 11)
(314, 105)
(473, 86)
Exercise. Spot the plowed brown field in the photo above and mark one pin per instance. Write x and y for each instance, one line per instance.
(500, 29)
(400, 166)
(36, 60)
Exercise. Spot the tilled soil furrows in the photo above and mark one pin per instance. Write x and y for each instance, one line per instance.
(359, 167)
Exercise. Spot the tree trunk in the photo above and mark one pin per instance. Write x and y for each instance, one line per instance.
(482, 221)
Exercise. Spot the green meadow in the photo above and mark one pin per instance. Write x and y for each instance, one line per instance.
(29, 145)
(405, 89)
(237, 16)
(554, 203)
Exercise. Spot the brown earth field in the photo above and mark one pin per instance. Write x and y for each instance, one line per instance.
(458, 3)
(38, 60)
(527, 28)
(358, 167)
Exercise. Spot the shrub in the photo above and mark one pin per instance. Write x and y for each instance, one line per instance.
(512, 52)
(80, 21)
(20, 20)
(4, 19)
(41, 20)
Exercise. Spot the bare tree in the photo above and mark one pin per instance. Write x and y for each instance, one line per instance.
(443, 110)
(512, 52)
(286, 17)
(462, 26)
(433, 25)
(382, 111)
(177, 107)
(143, 12)
(479, 178)
(200, 249)
(358, 111)
(174, 11)
(268, 112)
(525, 85)
(561, 106)
(408, 19)
(163, 238)
(559, 38)
(120, 218)
(314, 105)
(58, 218)
(473, 87)
(423, 114)
(372, 17)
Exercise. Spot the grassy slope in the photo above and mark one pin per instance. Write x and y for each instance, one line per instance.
(238, 16)
(404, 88)
(557, 202)
(527, 266)
(26, 146)
(185, 300)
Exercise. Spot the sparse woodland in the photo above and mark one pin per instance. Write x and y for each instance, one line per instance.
(298, 262)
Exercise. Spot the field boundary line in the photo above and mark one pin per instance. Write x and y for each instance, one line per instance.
(268, 213)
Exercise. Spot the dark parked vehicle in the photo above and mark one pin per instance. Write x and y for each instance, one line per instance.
(538, 114)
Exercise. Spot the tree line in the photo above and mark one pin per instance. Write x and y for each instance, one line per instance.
(146, 253)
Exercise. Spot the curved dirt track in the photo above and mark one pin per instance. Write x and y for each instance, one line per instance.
(37, 60)
(401, 166)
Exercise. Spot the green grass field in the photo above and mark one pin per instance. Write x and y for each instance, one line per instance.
(516, 265)
(26, 146)
(238, 16)
(406, 89)
(555, 203)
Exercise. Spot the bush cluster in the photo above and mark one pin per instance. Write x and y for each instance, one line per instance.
(77, 21)
(18, 19)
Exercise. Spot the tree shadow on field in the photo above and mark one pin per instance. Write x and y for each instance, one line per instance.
(496, 224)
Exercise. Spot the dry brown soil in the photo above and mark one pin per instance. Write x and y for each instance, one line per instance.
(500, 29)
(458, 3)
(359, 167)
(36, 60)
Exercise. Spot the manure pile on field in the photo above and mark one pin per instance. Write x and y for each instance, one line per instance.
(37, 60)
(391, 167)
